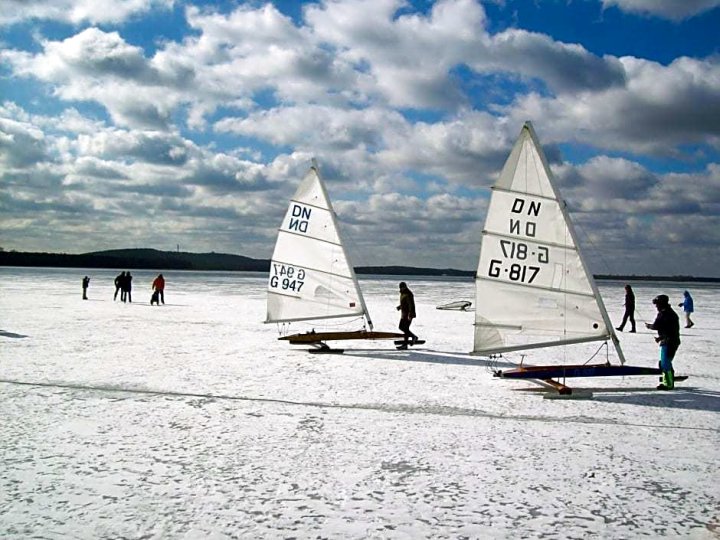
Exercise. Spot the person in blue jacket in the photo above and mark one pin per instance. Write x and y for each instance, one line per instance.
(688, 308)
(667, 325)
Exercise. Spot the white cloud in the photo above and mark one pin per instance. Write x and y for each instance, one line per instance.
(675, 10)
(376, 90)
(21, 144)
(660, 109)
(606, 181)
(408, 57)
(77, 11)
(316, 127)
(391, 223)
(563, 67)
(100, 66)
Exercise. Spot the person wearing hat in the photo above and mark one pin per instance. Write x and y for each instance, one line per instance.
(688, 308)
(407, 314)
(667, 325)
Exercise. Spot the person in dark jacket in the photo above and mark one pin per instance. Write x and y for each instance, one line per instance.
(119, 279)
(126, 286)
(667, 325)
(688, 308)
(407, 314)
(85, 285)
(629, 309)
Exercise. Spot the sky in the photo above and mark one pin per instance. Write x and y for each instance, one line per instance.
(173, 124)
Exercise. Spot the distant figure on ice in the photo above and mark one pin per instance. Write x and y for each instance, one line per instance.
(688, 308)
(85, 285)
(126, 294)
(118, 284)
(629, 309)
(407, 314)
(158, 286)
(667, 325)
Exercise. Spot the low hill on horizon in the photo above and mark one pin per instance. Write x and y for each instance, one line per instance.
(153, 259)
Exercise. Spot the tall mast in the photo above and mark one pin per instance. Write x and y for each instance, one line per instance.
(573, 235)
(361, 298)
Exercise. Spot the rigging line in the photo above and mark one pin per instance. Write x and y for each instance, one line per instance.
(352, 260)
(565, 295)
(603, 260)
(439, 410)
(344, 322)
(603, 344)
(599, 255)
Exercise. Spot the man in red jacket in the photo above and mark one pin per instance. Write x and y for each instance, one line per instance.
(159, 287)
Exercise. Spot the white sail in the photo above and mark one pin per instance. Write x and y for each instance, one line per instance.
(310, 275)
(533, 288)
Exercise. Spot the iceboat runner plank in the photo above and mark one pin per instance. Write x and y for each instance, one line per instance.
(317, 337)
(583, 370)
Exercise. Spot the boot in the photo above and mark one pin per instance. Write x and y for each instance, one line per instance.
(670, 379)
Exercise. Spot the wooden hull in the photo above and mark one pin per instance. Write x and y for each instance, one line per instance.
(591, 370)
(319, 337)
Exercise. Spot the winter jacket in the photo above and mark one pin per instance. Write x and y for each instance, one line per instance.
(667, 325)
(687, 303)
(407, 304)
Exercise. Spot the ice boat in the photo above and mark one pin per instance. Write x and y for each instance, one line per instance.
(533, 287)
(311, 278)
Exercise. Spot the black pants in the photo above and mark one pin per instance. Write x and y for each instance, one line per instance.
(629, 314)
(405, 327)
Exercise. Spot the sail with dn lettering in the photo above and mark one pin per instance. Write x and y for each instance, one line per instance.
(533, 287)
(311, 277)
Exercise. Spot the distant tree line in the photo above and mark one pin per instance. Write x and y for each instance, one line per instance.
(153, 259)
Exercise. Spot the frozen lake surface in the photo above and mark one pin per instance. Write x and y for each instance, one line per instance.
(191, 420)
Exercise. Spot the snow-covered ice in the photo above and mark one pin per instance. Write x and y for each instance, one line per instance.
(191, 420)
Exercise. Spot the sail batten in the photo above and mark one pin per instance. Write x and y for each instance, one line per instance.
(310, 274)
(533, 288)
(510, 236)
(316, 318)
(540, 345)
(505, 190)
(520, 285)
(314, 269)
(291, 233)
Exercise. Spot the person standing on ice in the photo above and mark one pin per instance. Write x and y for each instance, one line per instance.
(118, 285)
(126, 295)
(85, 285)
(629, 309)
(667, 325)
(688, 308)
(158, 286)
(407, 314)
